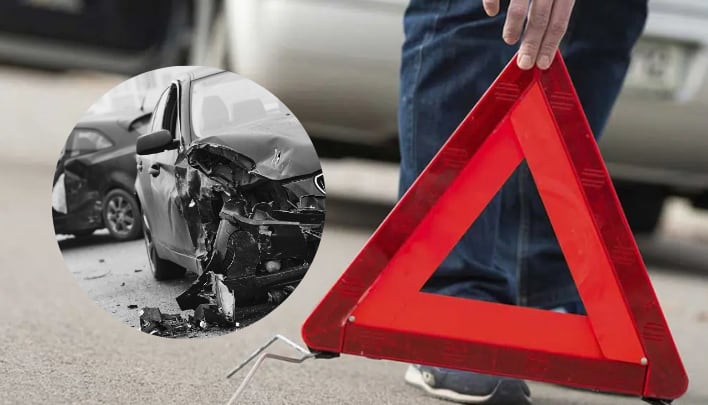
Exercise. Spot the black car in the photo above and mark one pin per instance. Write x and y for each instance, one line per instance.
(94, 183)
(230, 184)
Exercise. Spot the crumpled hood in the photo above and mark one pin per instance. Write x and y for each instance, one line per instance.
(278, 147)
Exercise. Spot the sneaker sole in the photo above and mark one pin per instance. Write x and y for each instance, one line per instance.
(507, 392)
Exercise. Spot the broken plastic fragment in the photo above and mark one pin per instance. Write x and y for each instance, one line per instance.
(154, 322)
(192, 298)
(205, 313)
(225, 300)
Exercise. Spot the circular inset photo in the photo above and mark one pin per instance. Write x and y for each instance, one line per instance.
(188, 202)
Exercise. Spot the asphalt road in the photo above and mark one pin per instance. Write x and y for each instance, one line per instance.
(117, 277)
(57, 346)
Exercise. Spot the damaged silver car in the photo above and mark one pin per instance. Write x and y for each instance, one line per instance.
(230, 188)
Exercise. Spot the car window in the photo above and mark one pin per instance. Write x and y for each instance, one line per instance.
(165, 112)
(86, 141)
(170, 117)
(225, 101)
(159, 113)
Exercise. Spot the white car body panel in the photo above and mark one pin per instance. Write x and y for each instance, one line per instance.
(336, 63)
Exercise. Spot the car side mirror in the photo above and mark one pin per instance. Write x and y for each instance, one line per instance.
(155, 142)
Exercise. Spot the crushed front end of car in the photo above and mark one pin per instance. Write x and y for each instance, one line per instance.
(255, 220)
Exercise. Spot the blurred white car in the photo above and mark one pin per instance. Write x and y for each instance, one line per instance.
(335, 64)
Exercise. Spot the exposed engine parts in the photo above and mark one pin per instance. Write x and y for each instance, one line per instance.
(255, 238)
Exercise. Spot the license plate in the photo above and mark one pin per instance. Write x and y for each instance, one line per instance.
(657, 67)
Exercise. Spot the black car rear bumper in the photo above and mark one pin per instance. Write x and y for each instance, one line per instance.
(88, 218)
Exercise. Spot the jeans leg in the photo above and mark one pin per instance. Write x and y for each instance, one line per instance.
(452, 53)
(597, 56)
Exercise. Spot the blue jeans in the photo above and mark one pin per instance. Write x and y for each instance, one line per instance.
(452, 53)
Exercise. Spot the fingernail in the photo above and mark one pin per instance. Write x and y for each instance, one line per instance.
(544, 62)
(525, 62)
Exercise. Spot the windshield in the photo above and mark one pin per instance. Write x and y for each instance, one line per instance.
(226, 101)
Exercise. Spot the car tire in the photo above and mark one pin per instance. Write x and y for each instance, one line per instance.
(642, 204)
(121, 215)
(161, 269)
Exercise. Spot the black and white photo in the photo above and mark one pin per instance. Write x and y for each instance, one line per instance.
(217, 190)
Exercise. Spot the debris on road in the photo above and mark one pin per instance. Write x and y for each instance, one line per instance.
(101, 260)
(132, 306)
(96, 275)
(213, 297)
(122, 284)
(214, 303)
(138, 270)
(154, 322)
(193, 296)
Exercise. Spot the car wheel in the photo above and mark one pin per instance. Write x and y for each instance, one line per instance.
(642, 204)
(161, 269)
(121, 215)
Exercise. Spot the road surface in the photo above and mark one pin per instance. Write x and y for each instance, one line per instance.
(117, 277)
(58, 346)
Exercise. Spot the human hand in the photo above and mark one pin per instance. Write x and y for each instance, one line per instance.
(547, 23)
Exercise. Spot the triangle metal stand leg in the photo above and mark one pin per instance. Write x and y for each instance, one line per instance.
(306, 354)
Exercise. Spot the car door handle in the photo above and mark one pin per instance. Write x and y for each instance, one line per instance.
(154, 170)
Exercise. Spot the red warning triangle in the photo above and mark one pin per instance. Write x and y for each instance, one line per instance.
(376, 308)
